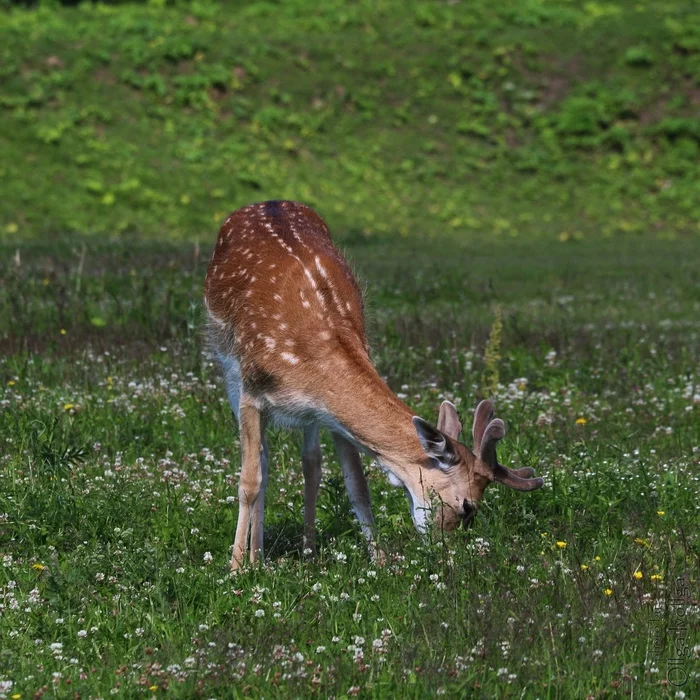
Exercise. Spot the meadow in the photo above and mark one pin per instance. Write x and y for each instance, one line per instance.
(120, 456)
(517, 189)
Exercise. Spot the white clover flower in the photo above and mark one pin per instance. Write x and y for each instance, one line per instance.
(82, 634)
(259, 613)
(208, 558)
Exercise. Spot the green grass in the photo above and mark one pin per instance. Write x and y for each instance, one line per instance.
(524, 160)
(118, 475)
(394, 118)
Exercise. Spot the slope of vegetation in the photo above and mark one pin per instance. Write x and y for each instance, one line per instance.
(560, 119)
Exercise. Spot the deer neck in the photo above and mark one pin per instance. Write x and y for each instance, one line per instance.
(375, 418)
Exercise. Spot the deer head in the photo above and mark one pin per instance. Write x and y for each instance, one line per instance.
(459, 476)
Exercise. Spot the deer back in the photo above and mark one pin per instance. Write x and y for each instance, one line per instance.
(279, 295)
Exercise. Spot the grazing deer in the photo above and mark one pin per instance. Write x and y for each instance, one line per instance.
(285, 317)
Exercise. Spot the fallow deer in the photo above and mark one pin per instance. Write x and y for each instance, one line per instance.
(285, 318)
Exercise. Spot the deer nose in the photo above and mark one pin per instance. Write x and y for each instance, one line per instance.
(468, 513)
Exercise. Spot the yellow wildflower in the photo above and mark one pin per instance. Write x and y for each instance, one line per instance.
(153, 688)
(597, 558)
(581, 421)
(638, 575)
(584, 567)
(641, 541)
(12, 382)
(608, 591)
(661, 512)
(561, 545)
(657, 577)
(38, 567)
(68, 406)
(63, 331)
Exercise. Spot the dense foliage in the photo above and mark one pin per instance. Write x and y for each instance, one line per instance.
(391, 117)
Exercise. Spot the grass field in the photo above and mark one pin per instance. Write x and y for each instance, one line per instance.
(118, 497)
(394, 118)
(528, 165)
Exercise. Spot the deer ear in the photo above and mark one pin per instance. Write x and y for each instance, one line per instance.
(435, 443)
(448, 420)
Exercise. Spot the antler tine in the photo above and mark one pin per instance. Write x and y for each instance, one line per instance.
(494, 432)
(510, 478)
(523, 472)
(482, 416)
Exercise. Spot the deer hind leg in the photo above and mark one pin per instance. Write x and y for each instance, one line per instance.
(358, 491)
(311, 464)
(251, 488)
